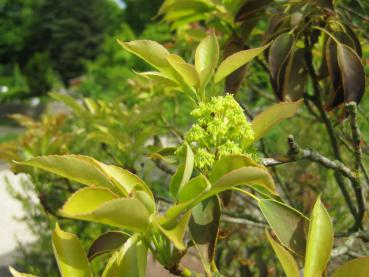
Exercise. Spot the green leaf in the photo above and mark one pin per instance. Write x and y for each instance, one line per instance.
(69, 254)
(101, 206)
(82, 169)
(107, 243)
(357, 267)
(204, 226)
(247, 175)
(19, 274)
(319, 242)
(192, 193)
(150, 51)
(158, 77)
(124, 178)
(183, 173)
(130, 261)
(229, 163)
(287, 261)
(176, 233)
(185, 70)
(288, 224)
(273, 115)
(241, 176)
(237, 60)
(206, 58)
(295, 76)
(352, 72)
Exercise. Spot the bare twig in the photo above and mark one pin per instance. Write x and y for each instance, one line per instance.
(243, 221)
(352, 110)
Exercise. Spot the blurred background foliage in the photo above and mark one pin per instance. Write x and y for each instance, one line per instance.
(99, 107)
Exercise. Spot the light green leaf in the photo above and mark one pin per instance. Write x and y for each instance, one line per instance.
(19, 274)
(192, 193)
(247, 175)
(107, 243)
(229, 163)
(101, 206)
(150, 51)
(124, 178)
(267, 119)
(175, 233)
(287, 261)
(357, 267)
(237, 60)
(158, 77)
(82, 169)
(206, 58)
(183, 173)
(185, 70)
(319, 242)
(288, 224)
(69, 254)
(130, 261)
(241, 176)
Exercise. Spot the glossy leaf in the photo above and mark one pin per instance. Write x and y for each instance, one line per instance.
(336, 97)
(82, 169)
(319, 242)
(101, 206)
(353, 75)
(286, 259)
(357, 46)
(287, 223)
(229, 163)
(192, 193)
(295, 76)
(107, 243)
(130, 261)
(183, 173)
(158, 77)
(126, 179)
(235, 61)
(357, 267)
(204, 227)
(206, 57)
(150, 51)
(69, 254)
(177, 232)
(185, 70)
(16, 273)
(247, 175)
(233, 80)
(278, 54)
(273, 115)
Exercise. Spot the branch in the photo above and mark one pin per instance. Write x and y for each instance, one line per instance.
(163, 166)
(296, 153)
(352, 110)
(243, 221)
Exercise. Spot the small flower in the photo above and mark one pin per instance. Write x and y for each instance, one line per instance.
(221, 128)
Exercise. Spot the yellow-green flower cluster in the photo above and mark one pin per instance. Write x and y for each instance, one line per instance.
(220, 129)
